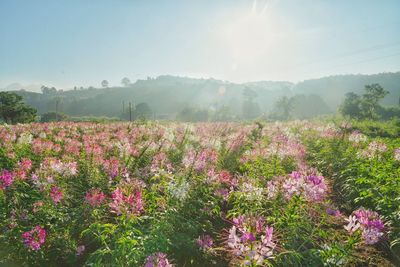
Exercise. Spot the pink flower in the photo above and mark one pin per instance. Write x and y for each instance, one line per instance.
(158, 259)
(56, 194)
(111, 167)
(124, 203)
(370, 224)
(334, 212)
(205, 242)
(34, 238)
(6, 179)
(94, 197)
(247, 237)
(80, 250)
(252, 247)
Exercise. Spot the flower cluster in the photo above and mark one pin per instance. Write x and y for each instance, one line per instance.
(56, 194)
(161, 163)
(111, 167)
(200, 161)
(64, 168)
(157, 259)
(251, 241)
(94, 197)
(6, 179)
(374, 150)
(311, 185)
(34, 238)
(125, 202)
(205, 242)
(370, 224)
(357, 137)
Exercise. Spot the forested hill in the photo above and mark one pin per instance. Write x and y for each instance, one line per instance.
(169, 95)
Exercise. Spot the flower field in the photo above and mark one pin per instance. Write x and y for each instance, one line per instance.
(207, 194)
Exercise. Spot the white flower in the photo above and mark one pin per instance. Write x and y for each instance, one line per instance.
(25, 138)
(353, 224)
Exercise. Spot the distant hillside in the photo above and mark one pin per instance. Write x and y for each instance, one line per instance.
(332, 89)
(168, 95)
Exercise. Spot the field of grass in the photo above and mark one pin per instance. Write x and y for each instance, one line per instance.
(208, 194)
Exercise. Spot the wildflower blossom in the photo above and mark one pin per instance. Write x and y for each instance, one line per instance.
(34, 238)
(94, 197)
(126, 202)
(312, 186)
(205, 242)
(6, 179)
(178, 189)
(160, 162)
(25, 138)
(370, 224)
(250, 191)
(357, 137)
(80, 250)
(272, 189)
(374, 150)
(250, 241)
(397, 154)
(334, 212)
(111, 167)
(157, 259)
(56, 194)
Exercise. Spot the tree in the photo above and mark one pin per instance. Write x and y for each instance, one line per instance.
(53, 116)
(250, 109)
(13, 110)
(351, 106)
(249, 94)
(191, 114)
(104, 83)
(48, 90)
(370, 100)
(285, 106)
(142, 111)
(365, 106)
(125, 82)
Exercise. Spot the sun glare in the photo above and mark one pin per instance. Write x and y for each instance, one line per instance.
(250, 34)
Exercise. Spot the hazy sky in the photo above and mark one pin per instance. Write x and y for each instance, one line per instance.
(80, 42)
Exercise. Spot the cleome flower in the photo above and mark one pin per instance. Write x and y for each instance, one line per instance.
(397, 154)
(56, 194)
(370, 224)
(306, 183)
(157, 259)
(251, 241)
(125, 202)
(205, 242)
(6, 179)
(94, 197)
(34, 238)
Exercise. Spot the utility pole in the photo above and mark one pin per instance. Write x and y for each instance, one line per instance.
(123, 108)
(130, 111)
(57, 109)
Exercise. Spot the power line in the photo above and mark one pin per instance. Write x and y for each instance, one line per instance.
(367, 60)
(342, 55)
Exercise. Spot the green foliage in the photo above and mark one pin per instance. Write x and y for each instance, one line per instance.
(365, 106)
(299, 107)
(53, 116)
(13, 110)
(189, 114)
(141, 111)
(360, 180)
